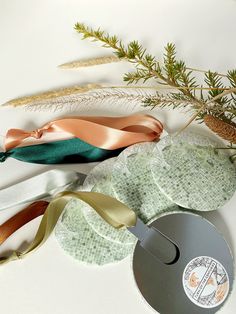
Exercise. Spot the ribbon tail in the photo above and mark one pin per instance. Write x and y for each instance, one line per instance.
(13, 257)
(4, 156)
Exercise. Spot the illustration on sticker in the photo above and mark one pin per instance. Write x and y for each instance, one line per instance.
(205, 282)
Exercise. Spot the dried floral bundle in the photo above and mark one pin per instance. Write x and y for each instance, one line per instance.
(217, 99)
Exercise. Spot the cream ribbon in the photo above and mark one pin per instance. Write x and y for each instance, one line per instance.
(45, 184)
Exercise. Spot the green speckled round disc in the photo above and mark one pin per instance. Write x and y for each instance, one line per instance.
(134, 185)
(98, 180)
(131, 182)
(82, 243)
(121, 236)
(196, 177)
(99, 173)
(191, 138)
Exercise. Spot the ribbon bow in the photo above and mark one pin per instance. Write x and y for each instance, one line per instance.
(104, 132)
(15, 137)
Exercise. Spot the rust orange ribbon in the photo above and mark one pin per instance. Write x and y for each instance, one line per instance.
(104, 132)
(29, 213)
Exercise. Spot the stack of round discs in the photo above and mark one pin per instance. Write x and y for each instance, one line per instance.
(152, 179)
(80, 241)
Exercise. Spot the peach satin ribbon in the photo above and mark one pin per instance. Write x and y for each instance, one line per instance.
(104, 132)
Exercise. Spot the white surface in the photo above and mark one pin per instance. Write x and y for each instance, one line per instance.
(35, 37)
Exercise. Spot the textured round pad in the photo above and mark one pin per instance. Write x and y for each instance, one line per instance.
(99, 173)
(98, 180)
(201, 279)
(195, 177)
(121, 236)
(80, 241)
(189, 137)
(132, 183)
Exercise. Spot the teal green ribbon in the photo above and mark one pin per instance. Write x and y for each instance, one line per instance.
(60, 152)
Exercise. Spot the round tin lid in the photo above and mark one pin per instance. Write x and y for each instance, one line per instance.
(202, 277)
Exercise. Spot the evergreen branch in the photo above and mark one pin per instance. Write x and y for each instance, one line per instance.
(231, 75)
(136, 54)
(139, 74)
(214, 81)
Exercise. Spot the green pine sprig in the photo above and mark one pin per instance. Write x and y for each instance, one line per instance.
(173, 73)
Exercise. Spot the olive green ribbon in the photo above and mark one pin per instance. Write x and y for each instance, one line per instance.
(110, 209)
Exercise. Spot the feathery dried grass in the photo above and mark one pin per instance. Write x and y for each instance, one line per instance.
(91, 100)
(49, 95)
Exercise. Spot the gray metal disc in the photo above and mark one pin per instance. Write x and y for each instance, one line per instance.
(201, 279)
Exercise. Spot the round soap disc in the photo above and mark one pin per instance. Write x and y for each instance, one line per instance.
(82, 243)
(199, 281)
(195, 177)
(105, 230)
(194, 138)
(135, 186)
(132, 183)
(98, 180)
(99, 173)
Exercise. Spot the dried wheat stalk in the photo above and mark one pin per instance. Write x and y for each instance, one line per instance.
(89, 62)
(49, 95)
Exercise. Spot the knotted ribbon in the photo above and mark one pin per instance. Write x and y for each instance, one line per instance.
(110, 209)
(80, 139)
(108, 133)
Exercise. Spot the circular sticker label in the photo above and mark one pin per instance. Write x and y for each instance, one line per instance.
(205, 282)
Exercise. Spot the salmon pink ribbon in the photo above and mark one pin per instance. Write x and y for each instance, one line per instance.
(104, 132)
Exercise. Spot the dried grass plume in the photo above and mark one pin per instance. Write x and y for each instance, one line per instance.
(89, 62)
(49, 95)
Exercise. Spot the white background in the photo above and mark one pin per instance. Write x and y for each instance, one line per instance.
(36, 36)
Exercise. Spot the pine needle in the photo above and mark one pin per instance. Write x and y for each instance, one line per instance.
(89, 62)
